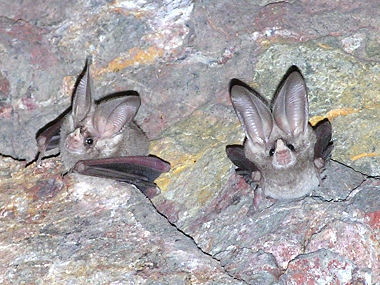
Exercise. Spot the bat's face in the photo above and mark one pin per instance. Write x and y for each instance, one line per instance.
(281, 152)
(94, 130)
(279, 140)
(80, 141)
(282, 155)
(288, 152)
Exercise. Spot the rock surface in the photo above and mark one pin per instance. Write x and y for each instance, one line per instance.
(82, 229)
(56, 231)
(179, 55)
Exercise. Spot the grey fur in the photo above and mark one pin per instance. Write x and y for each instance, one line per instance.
(109, 124)
(282, 172)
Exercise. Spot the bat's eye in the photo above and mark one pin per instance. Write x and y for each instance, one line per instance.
(89, 141)
(271, 151)
(290, 146)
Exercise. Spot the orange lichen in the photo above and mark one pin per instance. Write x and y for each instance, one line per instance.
(314, 120)
(333, 114)
(68, 85)
(341, 112)
(163, 181)
(364, 154)
(132, 57)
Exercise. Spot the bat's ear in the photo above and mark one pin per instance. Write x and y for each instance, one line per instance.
(252, 111)
(82, 98)
(112, 115)
(290, 106)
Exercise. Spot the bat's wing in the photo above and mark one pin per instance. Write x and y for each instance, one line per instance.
(140, 171)
(245, 167)
(323, 145)
(48, 138)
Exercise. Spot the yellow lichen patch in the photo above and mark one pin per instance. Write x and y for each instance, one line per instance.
(133, 56)
(314, 120)
(204, 196)
(136, 13)
(333, 114)
(265, 43)
(324, 46)
(178, 165)
(163, 181)
(364, 154)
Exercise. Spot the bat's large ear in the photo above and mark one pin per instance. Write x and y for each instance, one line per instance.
(252, 111)
(290, 106)
(112, 115)
(82, 99)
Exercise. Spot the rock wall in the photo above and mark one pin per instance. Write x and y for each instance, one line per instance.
(180, 56)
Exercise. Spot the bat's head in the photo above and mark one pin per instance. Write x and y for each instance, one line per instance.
(94, 130)
(280, 139)
(75, 135)
(99, 134)
(287, 151)
(81, 141)
(282, 154)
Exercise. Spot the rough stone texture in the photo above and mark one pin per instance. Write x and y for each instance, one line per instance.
(179, 55)
(323, 267)
(253, 243)
(56, 231)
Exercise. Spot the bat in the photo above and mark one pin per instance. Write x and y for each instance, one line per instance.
(282, 156)
(101, 139)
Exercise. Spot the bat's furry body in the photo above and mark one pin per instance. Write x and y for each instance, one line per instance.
(101, 139)
(282, 153)
(129, 141)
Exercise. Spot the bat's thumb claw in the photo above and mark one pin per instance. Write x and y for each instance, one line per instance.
(89, 59)
(39, 159)
(150, 192)
(319, 162)
(79, 166)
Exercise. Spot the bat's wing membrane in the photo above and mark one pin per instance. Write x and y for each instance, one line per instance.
(140, 171)
(48, 138)
(245, 167)
(323, 145)
(236, 154)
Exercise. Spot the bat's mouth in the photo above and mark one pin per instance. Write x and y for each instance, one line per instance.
(283, 159)
(74, 146)
(74, 142)
(283, 156)
(75, 150)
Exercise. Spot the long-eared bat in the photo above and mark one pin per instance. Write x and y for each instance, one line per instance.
(282, 154)
(101, 138)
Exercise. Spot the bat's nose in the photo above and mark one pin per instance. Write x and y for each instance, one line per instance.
(283, 157)
(74, 142)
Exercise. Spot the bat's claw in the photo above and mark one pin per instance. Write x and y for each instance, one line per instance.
(39, 159)
(257, 200)
(150, 192)
(319, 163)
(256, 176)
(80, 166)
(258, 197)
